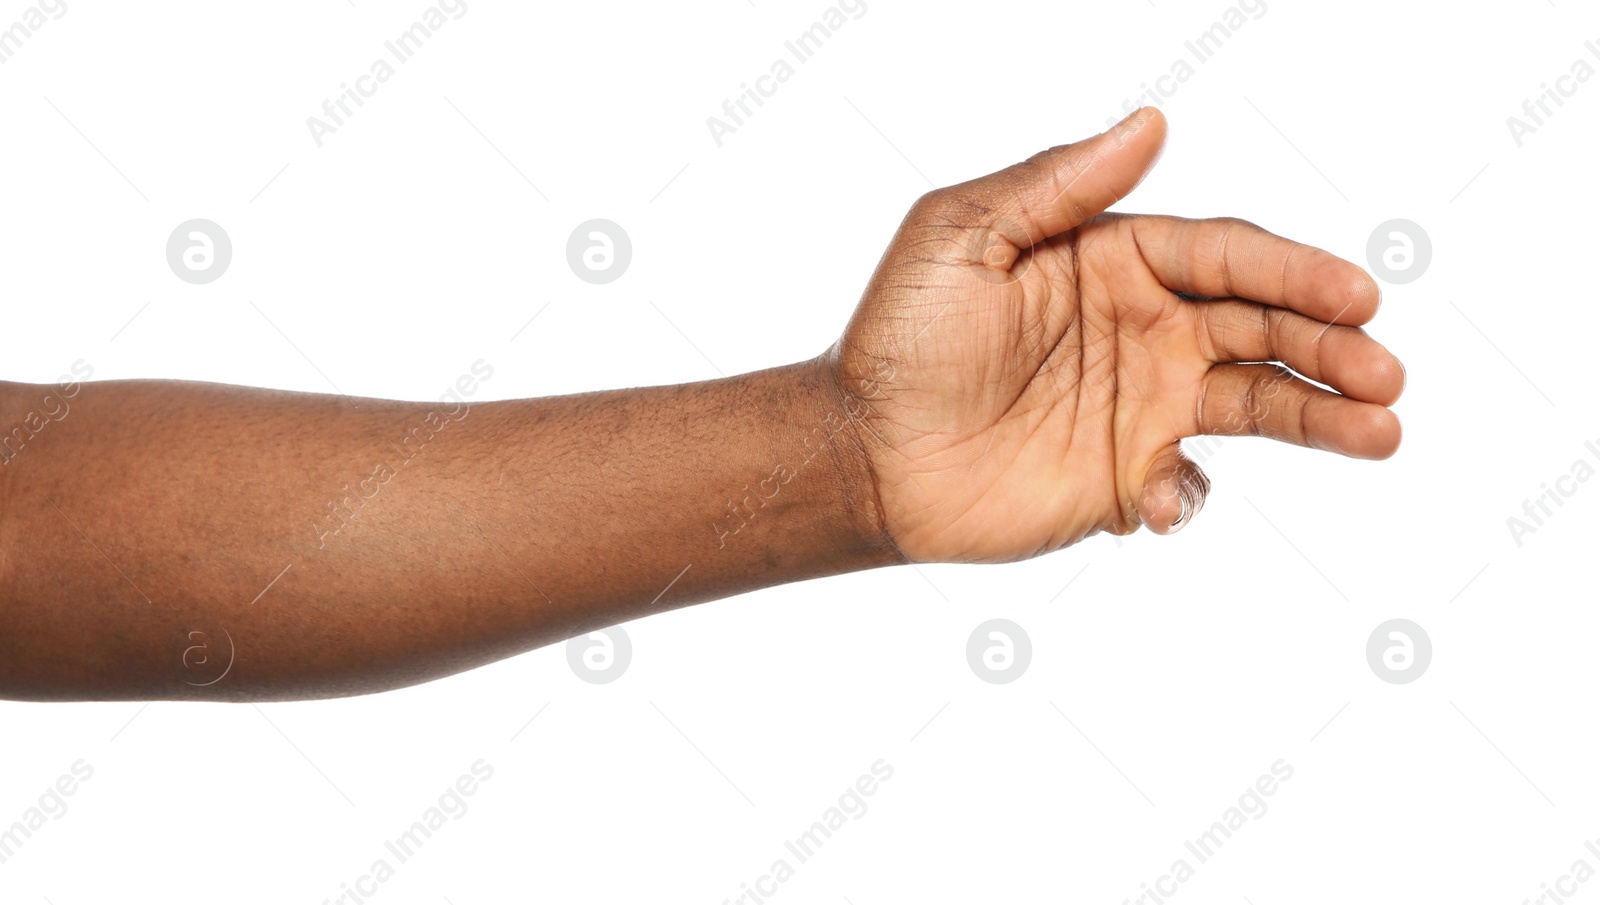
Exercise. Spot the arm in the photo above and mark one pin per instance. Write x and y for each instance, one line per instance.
(1016, 377)
(419, 539)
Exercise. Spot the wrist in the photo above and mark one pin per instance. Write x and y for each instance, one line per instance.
(822, 463)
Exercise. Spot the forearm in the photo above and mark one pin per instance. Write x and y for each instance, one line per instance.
(320, 546)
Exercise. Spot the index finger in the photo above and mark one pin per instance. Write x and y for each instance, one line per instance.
(1228, 257)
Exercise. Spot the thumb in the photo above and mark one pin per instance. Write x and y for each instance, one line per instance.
(1056, 190)
(1174, 490)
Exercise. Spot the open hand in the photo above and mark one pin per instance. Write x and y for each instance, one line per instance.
(1028, 363)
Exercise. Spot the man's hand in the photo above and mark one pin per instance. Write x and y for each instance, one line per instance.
(1043, 358)
(1017, 375)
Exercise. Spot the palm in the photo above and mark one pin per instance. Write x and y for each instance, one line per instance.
(1016, 402)
(1032, 402)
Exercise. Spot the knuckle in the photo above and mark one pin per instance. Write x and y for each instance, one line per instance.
(956, 205)
(931, 201)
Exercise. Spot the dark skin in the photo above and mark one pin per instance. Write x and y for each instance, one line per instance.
(1015, 378)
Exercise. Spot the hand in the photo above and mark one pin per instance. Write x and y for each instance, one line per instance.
(1028, 363)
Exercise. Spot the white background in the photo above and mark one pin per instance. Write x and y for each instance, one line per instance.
(426, 232)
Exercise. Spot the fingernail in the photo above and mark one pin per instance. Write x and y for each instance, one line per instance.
(1183, 516)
